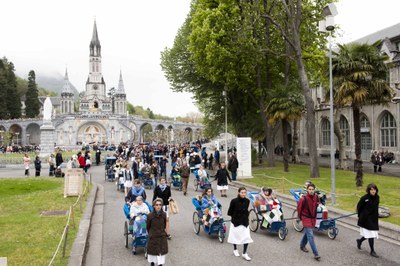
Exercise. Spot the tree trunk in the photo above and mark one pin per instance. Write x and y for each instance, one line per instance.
(358, 167)
(340, 136)
(310, 114)
(285, 145)
(295, 156)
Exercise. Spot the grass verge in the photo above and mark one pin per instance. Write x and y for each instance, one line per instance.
(347, 193)
(27, 238)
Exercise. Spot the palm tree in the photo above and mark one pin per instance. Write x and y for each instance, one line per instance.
(360, 72)
(286, 105)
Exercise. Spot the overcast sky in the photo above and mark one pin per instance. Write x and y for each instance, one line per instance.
(48, 35)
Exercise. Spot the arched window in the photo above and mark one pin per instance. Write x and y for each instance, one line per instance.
(344, 127)
(326, 132)
(364, 122)
(388, 131)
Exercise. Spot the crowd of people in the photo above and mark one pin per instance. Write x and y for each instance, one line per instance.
(150, 161)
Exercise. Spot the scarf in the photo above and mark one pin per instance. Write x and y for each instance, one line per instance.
(163, 187)
(137, 192)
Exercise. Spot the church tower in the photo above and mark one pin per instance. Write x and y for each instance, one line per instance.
(95, 98)
(120, 97)
(67, 96)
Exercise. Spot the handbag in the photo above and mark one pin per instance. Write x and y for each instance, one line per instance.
(173, 207)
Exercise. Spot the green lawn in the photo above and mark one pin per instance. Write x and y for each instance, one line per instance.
(26, 237)
(347, 193)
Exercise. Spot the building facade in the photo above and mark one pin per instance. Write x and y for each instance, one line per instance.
(380, 125)
(102, 116)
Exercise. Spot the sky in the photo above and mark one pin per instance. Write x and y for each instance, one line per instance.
(48, 36)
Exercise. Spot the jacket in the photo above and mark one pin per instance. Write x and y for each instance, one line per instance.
(157, 243)
(307, 210)
(184, 171)
(164, 195)
(239, 211)
(367, 209)
(222, 177)
(233, 164)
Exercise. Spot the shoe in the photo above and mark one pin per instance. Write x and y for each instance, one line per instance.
(373, 254)
(184, 193)
(246, 257)
(304, 249)
(317, 257)
(359, 243)
(169, 237)
(236, 253)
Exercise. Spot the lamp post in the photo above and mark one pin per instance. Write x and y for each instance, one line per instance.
(328, 25)
(226, 126)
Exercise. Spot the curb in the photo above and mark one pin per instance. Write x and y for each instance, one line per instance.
(79, 246)
(387, 231)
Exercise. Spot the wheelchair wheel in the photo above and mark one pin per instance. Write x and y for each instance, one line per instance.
(126, 234)
(196, 223)
(221, 236)
(282, 233)
(297, 224)
(253, 220)
(332, 232)
(195, 184)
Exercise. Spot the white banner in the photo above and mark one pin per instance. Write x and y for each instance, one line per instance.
(243, 146)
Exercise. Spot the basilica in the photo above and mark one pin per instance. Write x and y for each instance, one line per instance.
(102, 115)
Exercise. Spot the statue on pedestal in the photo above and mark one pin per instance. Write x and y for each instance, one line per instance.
(47, 109)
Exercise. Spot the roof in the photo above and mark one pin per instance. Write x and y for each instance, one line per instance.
(95, 38)
(390, 32)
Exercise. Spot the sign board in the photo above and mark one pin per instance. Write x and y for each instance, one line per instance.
(73, 182)
(243, 147)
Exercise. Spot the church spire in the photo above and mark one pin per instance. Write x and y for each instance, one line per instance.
(95, 47)
(121, 89)
(67, 86)
(95, 37)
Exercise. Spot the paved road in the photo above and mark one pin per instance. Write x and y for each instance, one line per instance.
(186, 248)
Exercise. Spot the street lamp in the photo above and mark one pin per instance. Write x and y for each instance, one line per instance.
(226, 126)
(328, 25)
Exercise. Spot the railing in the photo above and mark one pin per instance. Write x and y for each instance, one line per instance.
(71, 220)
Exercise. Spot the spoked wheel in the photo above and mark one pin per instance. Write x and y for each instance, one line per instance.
(196, 223)
(126, 234)
(195, 184)
(332, 232)
(253, 220)
(221, 236)
(297, 224)
(282, 233)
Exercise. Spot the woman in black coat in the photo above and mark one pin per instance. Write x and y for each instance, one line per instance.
(367, 209)
(157, 246)
(163, 191)
(222, 177)
(239, 231)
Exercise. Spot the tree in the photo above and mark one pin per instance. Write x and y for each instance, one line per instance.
(10, 102)
(32, 105)
(3, 89)
(297, 23)
(360, 79)
(131, 109)
(286, 105)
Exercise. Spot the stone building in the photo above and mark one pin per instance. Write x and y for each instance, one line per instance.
(380, 125)
(102, 116)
